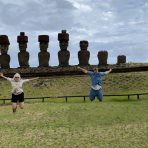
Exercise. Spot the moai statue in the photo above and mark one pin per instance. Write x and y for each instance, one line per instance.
(63, 54)
(23, 55)
(102, 57)
(4, 46)
(121, 59)
(83, 54)
(43, 55)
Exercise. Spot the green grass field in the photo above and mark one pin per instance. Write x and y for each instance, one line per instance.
(110, 124)
(113, 123)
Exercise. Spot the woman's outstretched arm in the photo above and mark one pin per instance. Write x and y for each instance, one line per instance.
(2, 75)
(33, 78)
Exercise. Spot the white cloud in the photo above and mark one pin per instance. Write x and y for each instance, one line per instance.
(81, 6)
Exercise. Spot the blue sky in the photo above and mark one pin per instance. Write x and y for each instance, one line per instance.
(118, 26)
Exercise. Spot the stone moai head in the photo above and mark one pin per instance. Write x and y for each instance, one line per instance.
(4, 44)
(43, 40)
(83, 45)
(22, 40)
(102, 56)
(121, 59)
(63, 38)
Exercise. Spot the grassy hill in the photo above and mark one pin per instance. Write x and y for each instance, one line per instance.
(79, 85)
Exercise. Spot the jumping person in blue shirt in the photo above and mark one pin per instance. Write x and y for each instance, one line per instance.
(96, 81)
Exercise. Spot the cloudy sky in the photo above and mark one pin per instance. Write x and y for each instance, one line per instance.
(118, 26)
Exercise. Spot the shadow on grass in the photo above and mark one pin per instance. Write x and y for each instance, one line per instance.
(123, 100)
(120, 99)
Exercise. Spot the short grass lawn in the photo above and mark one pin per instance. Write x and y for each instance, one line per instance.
(117, 123)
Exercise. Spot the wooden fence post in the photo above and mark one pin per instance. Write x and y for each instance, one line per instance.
(66, 99)
(84, 99)
(42, 99)
(128, 97)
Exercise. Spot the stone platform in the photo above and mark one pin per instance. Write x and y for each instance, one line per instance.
(70, 70)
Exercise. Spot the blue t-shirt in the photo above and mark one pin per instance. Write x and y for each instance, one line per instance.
(96, 78)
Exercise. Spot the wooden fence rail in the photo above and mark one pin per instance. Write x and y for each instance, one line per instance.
(79, 96)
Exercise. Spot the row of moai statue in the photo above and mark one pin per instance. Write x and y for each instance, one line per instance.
(44, 55)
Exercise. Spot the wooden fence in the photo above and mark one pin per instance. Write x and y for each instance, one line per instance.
(79, 96)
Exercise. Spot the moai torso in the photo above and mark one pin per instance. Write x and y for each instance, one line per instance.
(23, 55)
(63, 54)
(43, 55)
(43, 58)
(102, 57)
(121, 59)
(4, 57)
(83, 54)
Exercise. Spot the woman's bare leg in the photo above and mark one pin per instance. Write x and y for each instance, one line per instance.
(21, 105)
(14, 107)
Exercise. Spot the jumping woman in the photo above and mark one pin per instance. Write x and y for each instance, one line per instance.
(96, 80)
(17, 91)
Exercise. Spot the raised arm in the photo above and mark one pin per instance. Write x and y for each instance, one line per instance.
(27, 80)
(2, 75)
(107, 72)
(82, 69)
(33, 78)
